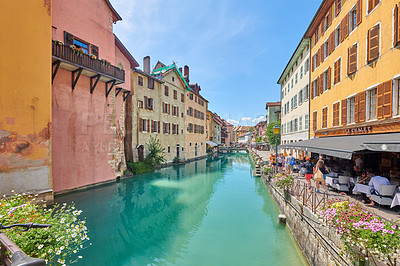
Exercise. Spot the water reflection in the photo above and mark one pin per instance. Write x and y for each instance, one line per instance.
(158, 210)
(207, 212)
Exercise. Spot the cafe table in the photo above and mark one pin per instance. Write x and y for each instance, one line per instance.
(361, 188)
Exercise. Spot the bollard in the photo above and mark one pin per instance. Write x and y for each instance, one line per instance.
(282, 218)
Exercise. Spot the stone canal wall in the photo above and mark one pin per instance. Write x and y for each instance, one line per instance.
(319, 243)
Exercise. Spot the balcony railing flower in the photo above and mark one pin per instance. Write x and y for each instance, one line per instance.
(59, 42)
(105, 62)
(363, 234)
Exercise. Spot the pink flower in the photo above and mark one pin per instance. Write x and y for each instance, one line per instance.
(393, 227)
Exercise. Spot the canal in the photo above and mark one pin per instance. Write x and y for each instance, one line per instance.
(207, 212)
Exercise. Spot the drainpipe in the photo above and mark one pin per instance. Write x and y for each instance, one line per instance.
(309, 89)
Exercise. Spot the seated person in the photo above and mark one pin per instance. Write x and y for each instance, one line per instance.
(374, 185)
(356, 171)
(366, 176)
(394, 173)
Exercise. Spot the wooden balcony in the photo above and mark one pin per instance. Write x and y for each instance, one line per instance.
(80, 63)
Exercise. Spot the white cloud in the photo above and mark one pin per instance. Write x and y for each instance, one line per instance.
(233, 122)
(245, 118)
(258, 119)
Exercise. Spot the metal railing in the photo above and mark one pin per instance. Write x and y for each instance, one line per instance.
(308, 196)
(66, 53)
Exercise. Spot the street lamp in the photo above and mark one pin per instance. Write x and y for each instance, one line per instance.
(276, 129)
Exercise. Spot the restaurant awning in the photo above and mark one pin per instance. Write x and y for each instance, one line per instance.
(345, 146)
(388, 143)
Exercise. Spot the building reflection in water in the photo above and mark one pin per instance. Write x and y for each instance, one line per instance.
(149, 218)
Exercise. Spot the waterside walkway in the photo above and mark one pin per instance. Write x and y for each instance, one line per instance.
(384, 211)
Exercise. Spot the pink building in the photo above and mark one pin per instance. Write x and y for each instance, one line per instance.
(91, 81)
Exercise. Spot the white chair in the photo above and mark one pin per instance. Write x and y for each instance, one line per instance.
(385, 196)
(395, 182)
(342, 184)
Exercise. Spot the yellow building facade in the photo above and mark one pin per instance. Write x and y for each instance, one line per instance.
(25, 102)
(354, 84)
(195, 122)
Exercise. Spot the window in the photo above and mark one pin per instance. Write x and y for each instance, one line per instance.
(175, 110)
(352, 60)
(306, 122)
(167, 128)
(326, 49)
(315, 88)
(173, 78)
(140, 104)
(335, 120)
(384, 94)
(166, 108)
(191, 96)
(338, 6)
(326, 79)
(327, 22)
(81, 45)
(175, 95)
(350, 108)
(182, 97)
(291, 83)
(397, 87)
(169, 149)
(305, 93)
(140, 80)
(148, 103)
(295, 79)
(150, 83)
(156, 127)
(372, 4)
(336, 71)
(325, 117)
(396, 26)
(145, 125)
(337, 36)
(372, 104)
(300, 96)
(166, 91)
(307, 65)
(352, 19)
(301, 72)
(315, 120)
(175, 129)
(295, 125)
(300, 123)
(373, 43)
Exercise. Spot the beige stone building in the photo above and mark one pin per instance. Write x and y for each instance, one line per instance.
(195, 138)
(158, 106)
(196, 110)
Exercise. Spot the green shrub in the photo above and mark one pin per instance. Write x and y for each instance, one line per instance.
(58, 244)
(139, 167)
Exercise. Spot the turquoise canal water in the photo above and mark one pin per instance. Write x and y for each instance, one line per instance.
(208, 212)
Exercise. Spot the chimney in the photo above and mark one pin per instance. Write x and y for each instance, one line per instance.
(146, 64)
(186, 75)
(180, 69)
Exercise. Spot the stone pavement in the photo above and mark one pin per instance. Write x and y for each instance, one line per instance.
(384, 211)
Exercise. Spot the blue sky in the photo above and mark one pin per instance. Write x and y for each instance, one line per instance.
(236, 50)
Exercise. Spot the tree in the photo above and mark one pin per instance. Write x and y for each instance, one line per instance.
(270, 133)
(156, 152)
(251, 129)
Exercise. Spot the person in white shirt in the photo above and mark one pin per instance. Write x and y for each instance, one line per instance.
(359, 162)
(374, 185)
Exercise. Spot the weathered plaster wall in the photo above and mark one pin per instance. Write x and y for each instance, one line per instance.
(25, 96)
(83, 134)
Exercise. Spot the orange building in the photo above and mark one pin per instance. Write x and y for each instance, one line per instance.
(25, 101)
